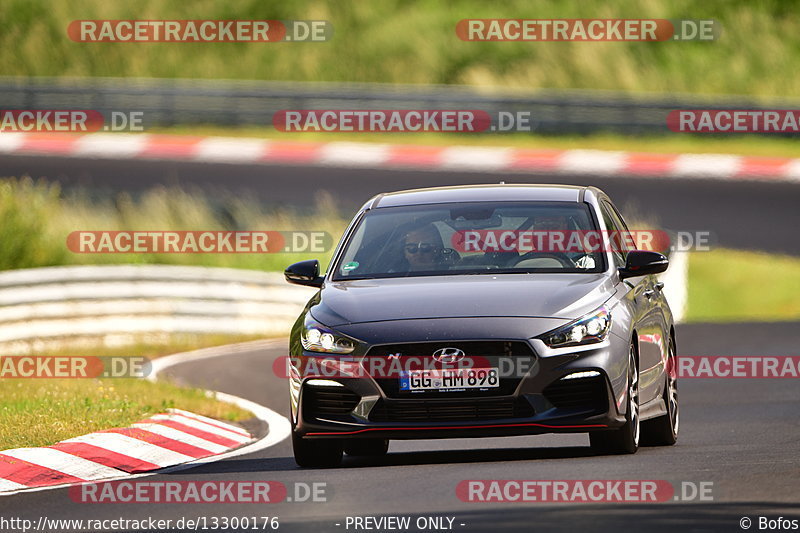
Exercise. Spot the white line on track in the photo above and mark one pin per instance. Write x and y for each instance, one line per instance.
(111, 145)
(63, 462)
(230, 150)
(353, 154)
(11, 141)
(211, 421)
(6, 485)
(592, 162)
(180, 436)
(132, 447)
(202, 426)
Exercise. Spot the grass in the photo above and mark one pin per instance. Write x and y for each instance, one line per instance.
(398, 41)
(736, 286)
(759, 146)
(39, 412)
(37, 218)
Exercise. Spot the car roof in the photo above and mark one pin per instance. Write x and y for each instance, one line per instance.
(497, 192)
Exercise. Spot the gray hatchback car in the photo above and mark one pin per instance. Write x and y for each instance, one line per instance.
(480, 311)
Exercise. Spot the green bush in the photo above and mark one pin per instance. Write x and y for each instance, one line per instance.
(28, 237)
(37, 217)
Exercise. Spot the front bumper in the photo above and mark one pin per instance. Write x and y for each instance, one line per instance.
(540, 401)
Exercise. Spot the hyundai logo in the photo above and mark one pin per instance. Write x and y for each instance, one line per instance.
(448, 355)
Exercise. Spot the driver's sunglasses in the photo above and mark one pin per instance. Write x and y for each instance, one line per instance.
(422, 247)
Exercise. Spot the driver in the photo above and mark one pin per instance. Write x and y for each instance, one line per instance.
(555, 229)
(550, 223)
(422, 248)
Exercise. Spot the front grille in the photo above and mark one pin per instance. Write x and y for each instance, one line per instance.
(471, 348)
(575, 393)
(450, 410)
(483, 353)
(328, 402)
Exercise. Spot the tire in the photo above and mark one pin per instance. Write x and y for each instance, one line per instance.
(625, 439)
(316, 453)
(366, 447)
(663, 431)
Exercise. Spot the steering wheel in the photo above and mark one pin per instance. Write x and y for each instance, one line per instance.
(449, 256)
(563, 259)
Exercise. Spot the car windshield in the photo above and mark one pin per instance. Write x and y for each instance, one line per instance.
(471, 238)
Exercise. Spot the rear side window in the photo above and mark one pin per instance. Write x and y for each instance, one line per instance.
(614, 226)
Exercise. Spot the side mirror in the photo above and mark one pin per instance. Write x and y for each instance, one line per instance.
(643, 263)
(304, 273)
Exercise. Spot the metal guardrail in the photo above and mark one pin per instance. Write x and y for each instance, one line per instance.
(58, 307)
(166, 102)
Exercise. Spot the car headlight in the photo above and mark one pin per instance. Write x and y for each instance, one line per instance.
(589, 329)
(317, 338)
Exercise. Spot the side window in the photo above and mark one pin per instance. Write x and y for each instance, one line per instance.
(613, 228)
(626, 243)
(615, 213)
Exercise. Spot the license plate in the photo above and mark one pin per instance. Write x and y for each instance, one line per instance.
(450, 379)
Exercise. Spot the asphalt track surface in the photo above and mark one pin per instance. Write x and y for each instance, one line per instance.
(743, 435)
(738, 214)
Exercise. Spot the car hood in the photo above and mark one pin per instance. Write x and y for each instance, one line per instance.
(563, 296)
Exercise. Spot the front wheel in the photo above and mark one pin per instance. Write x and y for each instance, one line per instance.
(663, 431)
(316, 453)
(625, 439)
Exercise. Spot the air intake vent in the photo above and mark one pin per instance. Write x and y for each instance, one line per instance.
(450, 410)
(587, 393)
(328, 402)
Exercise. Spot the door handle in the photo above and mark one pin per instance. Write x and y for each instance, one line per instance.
(659, 285)
(649, 293)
